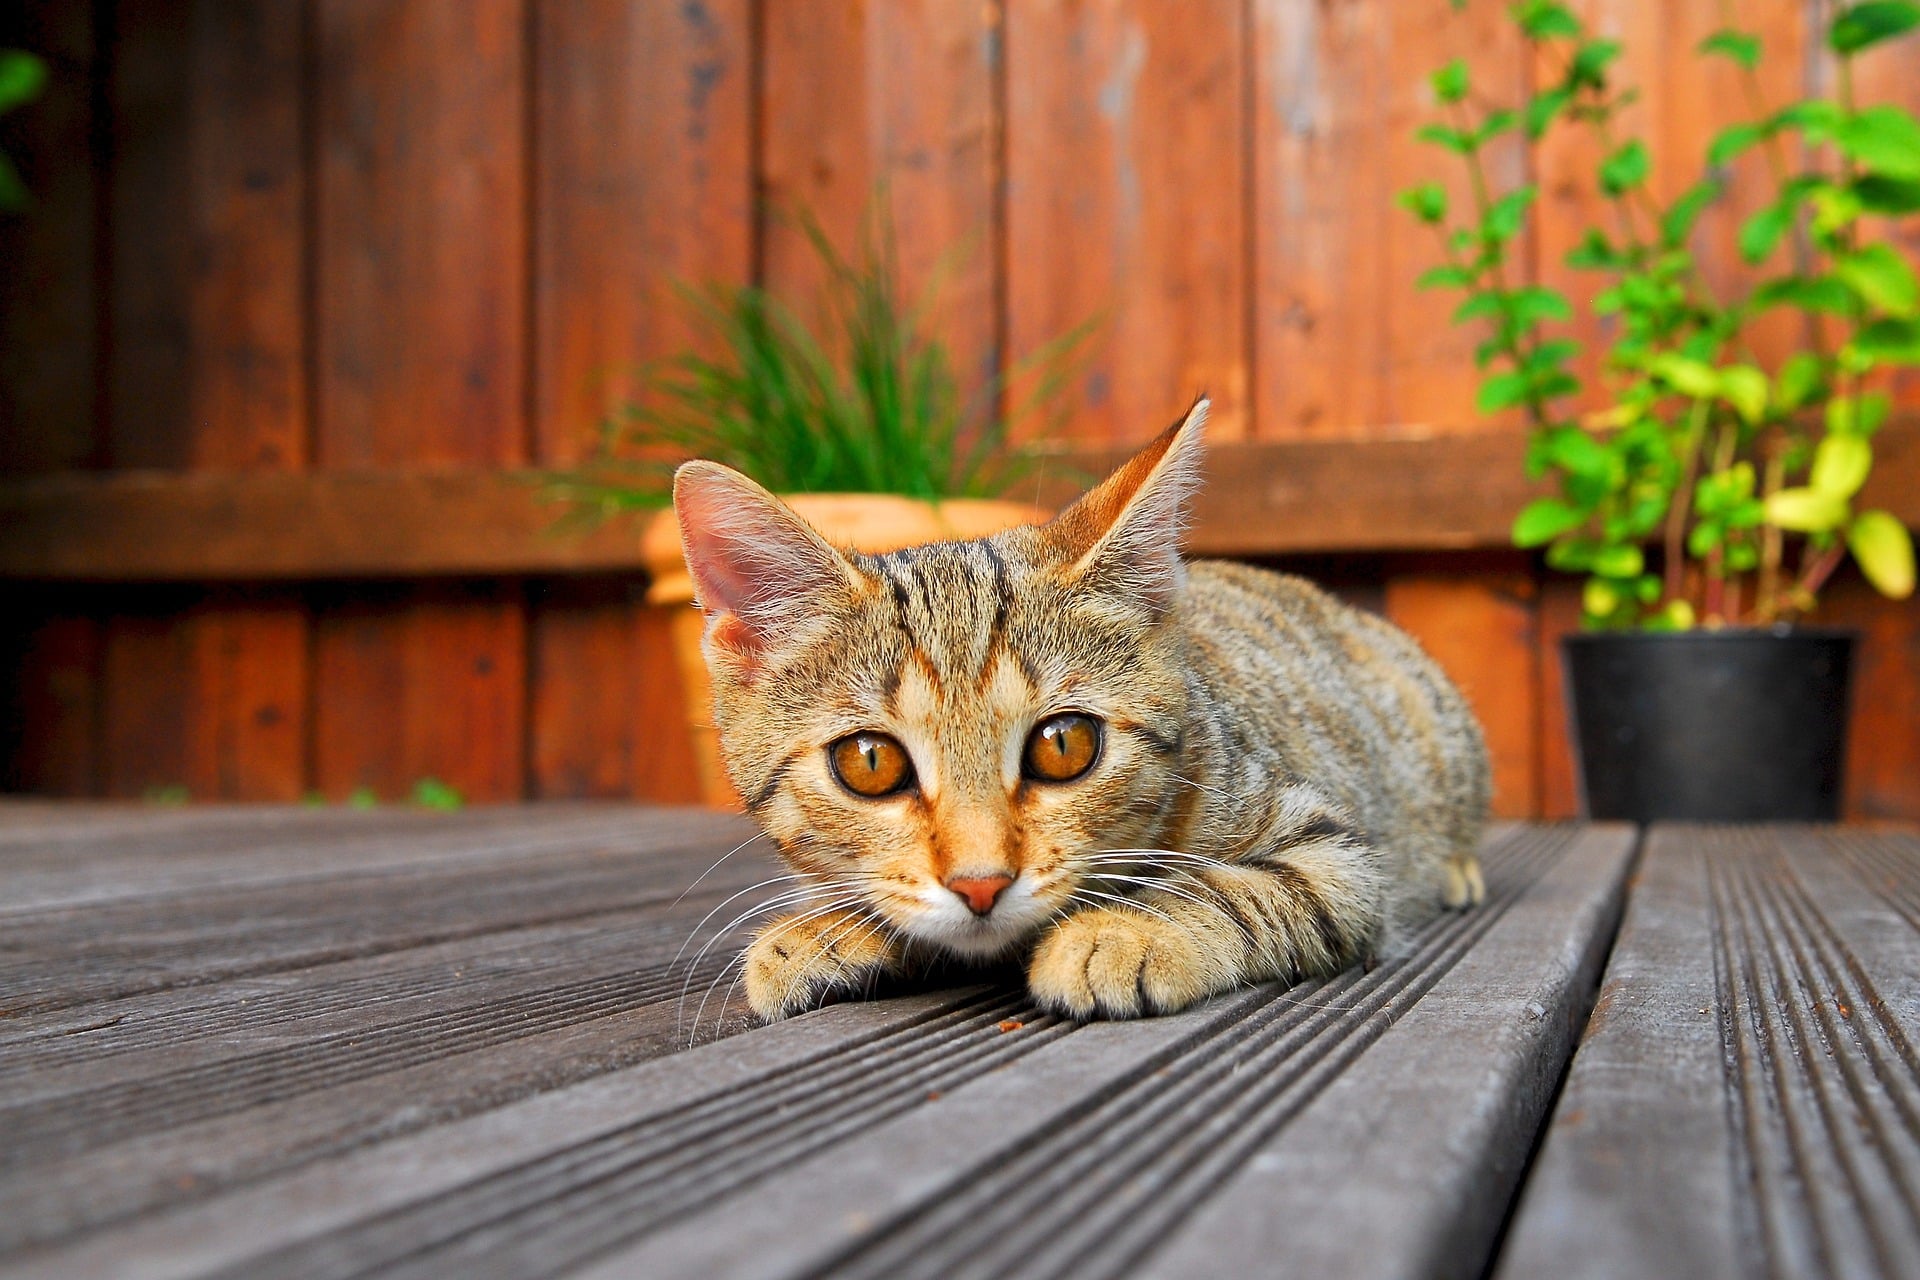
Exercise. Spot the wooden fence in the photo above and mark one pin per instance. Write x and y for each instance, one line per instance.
(284, 250)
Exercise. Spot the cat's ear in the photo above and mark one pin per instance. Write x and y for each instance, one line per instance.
(759, 571)
(1124, 534)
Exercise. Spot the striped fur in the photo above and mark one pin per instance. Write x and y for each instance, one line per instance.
(1284, 783)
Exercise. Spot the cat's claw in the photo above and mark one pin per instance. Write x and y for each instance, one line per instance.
(803, 962)
(1108, 962)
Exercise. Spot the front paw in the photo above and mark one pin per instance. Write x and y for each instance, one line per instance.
(800, 962)
(1115, 962)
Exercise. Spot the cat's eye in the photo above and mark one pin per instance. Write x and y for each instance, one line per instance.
(870, 764)
(1062, 747)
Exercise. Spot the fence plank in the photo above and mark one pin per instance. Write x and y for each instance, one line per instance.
(1343, 342)
(1481, 630)
(207, 331)
(1883, 743)
(49, 720)
(49, 326)
(1126, 198)
(421, 352)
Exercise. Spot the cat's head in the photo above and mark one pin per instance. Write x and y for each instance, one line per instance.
(953, 736)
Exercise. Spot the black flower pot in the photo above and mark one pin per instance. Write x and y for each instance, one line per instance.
(1710, 726)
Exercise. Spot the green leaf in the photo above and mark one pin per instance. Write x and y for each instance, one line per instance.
(1689, 377)
(1541, 110)
(1625, 168)
(1889, 342)
(22, 77)
(1745, 388)
(1620, 561)
(1572, 555)
(1884, 551)
(1760, 233)
(1883, 138)
(1546, 19)
(1537, 302)
(1880, 194)
(1543, 520)
(1704, 537)
(1806, 510)
(1817, 118)
(1479, 306)
(1574, 450)
(1861, 416)
(1427, 202)
(1733, 140)
(1799, 380)
(1503, 391)
(1450, 81)
(1508, 214)
(1811, 293)
(1882, 277)
(1589, 65)
(1496, 123)
(1444, 277)
(431, 793)
(1441, 135)
(1840, 465)
(1676, 224)
(1594, 252)
(1599, 598)
(1869, 23)
(1738, 45)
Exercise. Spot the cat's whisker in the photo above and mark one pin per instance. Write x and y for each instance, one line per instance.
(739, 961)
(1135, 903)
(1155, 882)
(758, 835)
(722, 905)
(787, 898)
(1177, 855)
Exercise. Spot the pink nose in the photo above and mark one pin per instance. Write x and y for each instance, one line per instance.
(979, 892)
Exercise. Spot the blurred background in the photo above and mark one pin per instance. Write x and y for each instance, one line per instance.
(302, 279)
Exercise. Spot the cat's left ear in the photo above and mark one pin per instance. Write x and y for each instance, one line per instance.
(1124, 535)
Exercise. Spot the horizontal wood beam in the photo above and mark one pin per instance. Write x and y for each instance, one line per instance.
(1407, 492)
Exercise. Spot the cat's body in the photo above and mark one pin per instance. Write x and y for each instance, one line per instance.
(1152, 781)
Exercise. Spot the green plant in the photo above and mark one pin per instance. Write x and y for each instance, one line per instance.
(1745, 474)
(22, 77)
(865, 400)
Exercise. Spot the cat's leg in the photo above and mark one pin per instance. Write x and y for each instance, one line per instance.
(1465, 886)
(1305, 910)
(797, 962)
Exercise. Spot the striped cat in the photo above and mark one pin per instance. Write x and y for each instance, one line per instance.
(1150, 780)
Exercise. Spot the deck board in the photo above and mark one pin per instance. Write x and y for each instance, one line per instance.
(1746, 1100)
(287, 1043)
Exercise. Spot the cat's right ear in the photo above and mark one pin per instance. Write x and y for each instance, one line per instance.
(1123, 536)
(759, 571)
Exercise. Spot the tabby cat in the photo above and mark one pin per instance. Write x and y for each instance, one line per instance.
(1146, 779)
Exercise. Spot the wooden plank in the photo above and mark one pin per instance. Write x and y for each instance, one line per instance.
(965, 1106)
(1416, 490)
(50, 371)
(1126, 197)
(1559, 615)
(896, 105)
(665, 767)
(1482, 632)
(1883, 740)
(1744, 1100)
(642, 180)
(421, 353)
(49, 721)
(421, 683)
(1343, 343)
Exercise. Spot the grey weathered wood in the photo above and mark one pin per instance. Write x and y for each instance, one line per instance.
(1747, 1097)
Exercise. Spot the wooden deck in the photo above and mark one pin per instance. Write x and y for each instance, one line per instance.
(273, 1042)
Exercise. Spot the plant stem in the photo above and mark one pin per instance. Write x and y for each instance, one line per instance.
(1682, 505)
(1772, 544)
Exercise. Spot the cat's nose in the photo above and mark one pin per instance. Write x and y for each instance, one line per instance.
(979, 892)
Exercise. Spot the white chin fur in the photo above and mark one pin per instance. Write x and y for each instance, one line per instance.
(945, 922)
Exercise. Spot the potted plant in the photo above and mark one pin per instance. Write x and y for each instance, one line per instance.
(1697, 691)
(856, 419)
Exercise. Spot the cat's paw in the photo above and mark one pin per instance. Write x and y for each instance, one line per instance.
(1114, 962)
(801, 962)
(1465, 887)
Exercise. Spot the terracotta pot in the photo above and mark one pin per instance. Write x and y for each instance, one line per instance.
(868, 522)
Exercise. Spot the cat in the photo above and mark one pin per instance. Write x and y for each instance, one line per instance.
(1148, 780)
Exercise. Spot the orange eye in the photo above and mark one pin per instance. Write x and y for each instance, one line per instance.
(1063, 747)
(870, 764)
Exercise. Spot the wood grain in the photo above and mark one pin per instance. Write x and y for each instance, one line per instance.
(1481, 630)
(421, 354)
(1126, 199)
